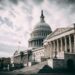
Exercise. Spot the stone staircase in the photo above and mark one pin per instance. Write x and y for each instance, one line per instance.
(33, 69)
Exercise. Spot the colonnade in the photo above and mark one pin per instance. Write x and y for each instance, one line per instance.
(65, 44)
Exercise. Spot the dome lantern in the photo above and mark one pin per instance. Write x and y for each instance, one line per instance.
(42, 16)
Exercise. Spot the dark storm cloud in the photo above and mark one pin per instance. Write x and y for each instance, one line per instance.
(14, 1)
(7, 3)
(67, 5)
(25, 1)
(2, 4)
(63, 1)
(72, 8)
(71, 1)
(0, 0)
(38, 1)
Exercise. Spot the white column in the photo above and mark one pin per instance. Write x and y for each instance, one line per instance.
(70, 43)
(65, 44)
(61, 45)
(45, 51)
(51, 49)
(55, 51)
(57, 46)
(48, 49)
(74, 43)
(32, 43)
(54, 46)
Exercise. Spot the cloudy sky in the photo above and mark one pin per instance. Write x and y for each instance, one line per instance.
(18, 17)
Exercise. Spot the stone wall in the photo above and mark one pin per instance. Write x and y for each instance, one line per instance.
(56, 63)
(69, 56)
(18, 59)
(38, 54)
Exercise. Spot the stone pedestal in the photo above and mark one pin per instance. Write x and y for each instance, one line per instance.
(29, 64)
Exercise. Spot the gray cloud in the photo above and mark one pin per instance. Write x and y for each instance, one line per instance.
(1, 8)
(67, 5)
(5, 20)
(38, 2)
(71, 1)
(0, 0)
(2, 4)
(7, 48)
(25, 1)
(27, 9)
(63, 1)
(14, 1)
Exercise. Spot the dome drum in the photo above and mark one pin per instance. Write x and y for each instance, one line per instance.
(36, 43)
(36, 38)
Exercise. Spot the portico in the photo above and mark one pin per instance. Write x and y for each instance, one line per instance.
(60, 47)
(61, 41)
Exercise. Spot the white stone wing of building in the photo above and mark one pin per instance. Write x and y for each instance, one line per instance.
(57, 32)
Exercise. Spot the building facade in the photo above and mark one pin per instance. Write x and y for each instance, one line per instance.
(39, 33)
(57, 47)
(60, 47)
(19, 58)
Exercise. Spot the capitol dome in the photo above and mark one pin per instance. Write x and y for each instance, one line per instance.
(39, 33)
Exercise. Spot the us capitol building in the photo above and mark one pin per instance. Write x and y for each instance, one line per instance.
(57, 47)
